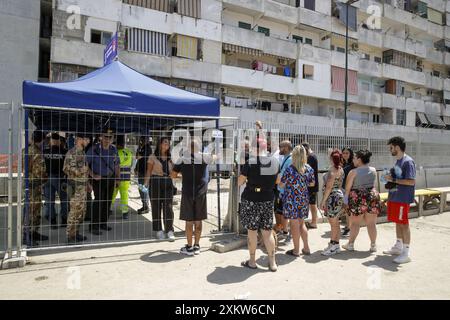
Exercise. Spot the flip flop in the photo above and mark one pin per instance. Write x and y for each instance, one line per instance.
(247, 265)
(310, 226)
(306, 253)
(291, 253)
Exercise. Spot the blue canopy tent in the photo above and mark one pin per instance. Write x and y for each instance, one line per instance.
(117, 97)
(116, 94)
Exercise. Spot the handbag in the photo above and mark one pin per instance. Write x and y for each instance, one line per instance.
(391, 185)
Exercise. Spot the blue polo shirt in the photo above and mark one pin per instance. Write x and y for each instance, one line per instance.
(103, 161)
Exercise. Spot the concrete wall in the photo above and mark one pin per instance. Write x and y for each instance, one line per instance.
(19, 53)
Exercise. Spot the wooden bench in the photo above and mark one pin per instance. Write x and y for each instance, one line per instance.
(424, 196)
(443, 198)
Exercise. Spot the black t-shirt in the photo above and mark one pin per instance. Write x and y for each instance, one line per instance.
(314, 164)
(261, 174)
(194, 174)
(54, 160)
(145, 152)
(347, 168)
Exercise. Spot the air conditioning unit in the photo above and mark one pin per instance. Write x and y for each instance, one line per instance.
(283, 62)
(224, 90)
(355, 47)
(281, 97)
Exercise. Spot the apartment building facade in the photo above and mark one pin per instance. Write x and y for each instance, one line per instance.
(281, 61)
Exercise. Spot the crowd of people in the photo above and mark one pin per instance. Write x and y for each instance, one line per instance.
(282, 184)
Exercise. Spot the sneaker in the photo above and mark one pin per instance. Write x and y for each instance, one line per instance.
(348, 246)
(196, 248)
(373, 247)
(288, 238)
(282, 236)
(189, 251)
(143, 210)
(332, 249)
(125, 216)
(395, 251)
(402, 258)
(77, 238)
(36, 236)
(170, 236)
(160, 235)
(346, 232)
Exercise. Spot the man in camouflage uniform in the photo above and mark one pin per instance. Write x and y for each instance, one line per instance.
(77, 171)
(37, 175)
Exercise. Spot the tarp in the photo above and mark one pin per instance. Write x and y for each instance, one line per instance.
(117, 88)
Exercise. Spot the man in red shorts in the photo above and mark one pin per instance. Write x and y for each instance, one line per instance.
(403, 179)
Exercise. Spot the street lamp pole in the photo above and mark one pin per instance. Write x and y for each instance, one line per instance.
(347, 7)
(346, 72)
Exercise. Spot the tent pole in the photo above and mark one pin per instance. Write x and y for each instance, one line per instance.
(218, 179)
(26, 216)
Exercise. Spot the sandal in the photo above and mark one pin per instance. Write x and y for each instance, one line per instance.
(306, 253)
(291, 253)
(247, 265)
(310, 226)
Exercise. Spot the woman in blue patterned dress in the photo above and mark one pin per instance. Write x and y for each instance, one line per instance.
(333, 200)
(295, 181)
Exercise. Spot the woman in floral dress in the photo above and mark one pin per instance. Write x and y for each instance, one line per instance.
(295, 181)
(333, 200)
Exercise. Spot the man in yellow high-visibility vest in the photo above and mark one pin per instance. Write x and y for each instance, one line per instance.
(126, 161)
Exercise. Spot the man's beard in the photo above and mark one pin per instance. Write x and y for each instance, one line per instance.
(394, 153)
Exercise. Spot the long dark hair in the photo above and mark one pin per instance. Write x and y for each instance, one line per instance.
(158, 148)
(350, 159)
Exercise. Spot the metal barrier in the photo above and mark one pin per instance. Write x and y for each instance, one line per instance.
(222, 195)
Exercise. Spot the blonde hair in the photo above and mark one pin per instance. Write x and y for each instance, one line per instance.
(299, 158)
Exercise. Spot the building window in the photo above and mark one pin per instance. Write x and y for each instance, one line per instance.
(401, 117)
(297, 39)
(100, 37)
(308, 41)
(147, 42)
(190, 8)
(310, 4)
(376, 118)
(266, 31)
(436, 73)
(365, 56)
(187, 47)
(340, 49)
(245, 25)
(338, 80)
(308, 72)
(377, 59)
(161, 5)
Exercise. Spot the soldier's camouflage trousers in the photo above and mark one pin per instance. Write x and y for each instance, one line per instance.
(35, 207)
(77, 210)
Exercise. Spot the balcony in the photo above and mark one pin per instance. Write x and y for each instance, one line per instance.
(435, 56)
(438, 5)
(370, 37)
(316, 89)
(148, 64)
(196, 70)
(279, 12)
(398, 15)
(314, 19)
(369, 98)
(433, 107)
(278, 47)
(338, 60)
(370, 68)
(447, 58)
(407, 75)
(314, 54)
(447, 84)
(252, 7)
(435, 30)
(77, 53)
(447, 31)
(339, 96)
(407, 46)
(243, 37)
(279, 84)
(415, 105)
(241, 77)
(435, 83)
(391, 101)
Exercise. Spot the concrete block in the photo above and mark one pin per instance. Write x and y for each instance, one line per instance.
(229, 244)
